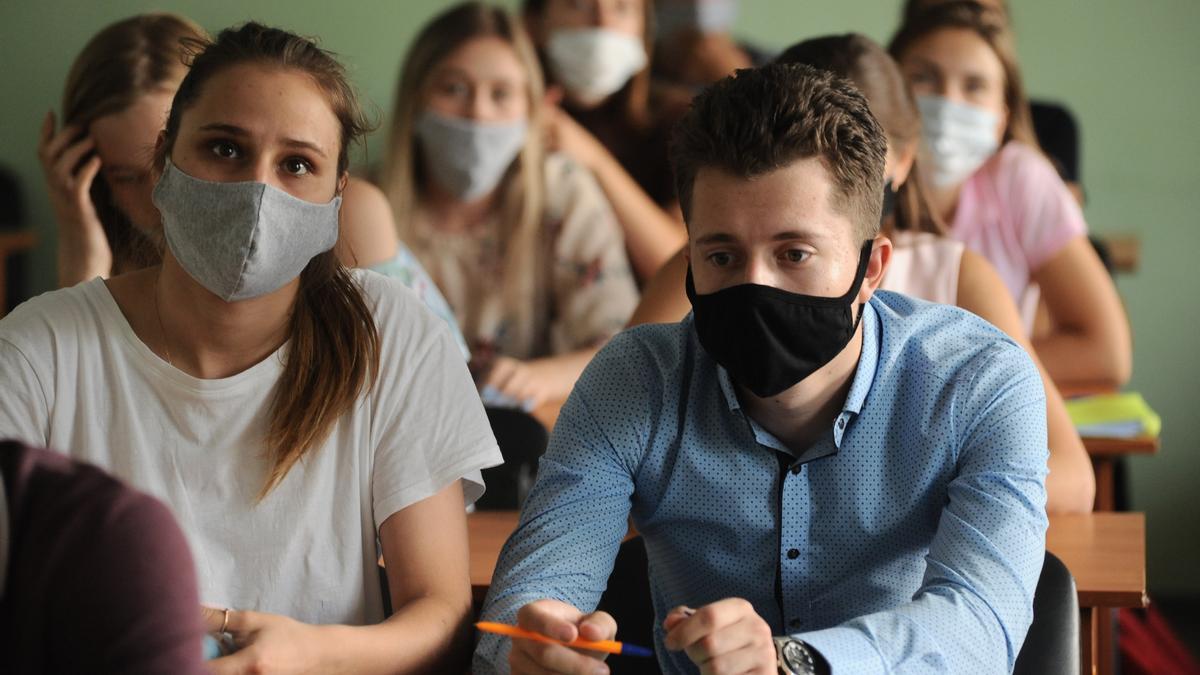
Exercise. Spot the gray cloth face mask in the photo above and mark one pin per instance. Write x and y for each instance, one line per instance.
(468, 158)
(241, 240)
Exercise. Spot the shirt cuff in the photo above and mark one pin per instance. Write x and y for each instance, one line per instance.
(846, 650)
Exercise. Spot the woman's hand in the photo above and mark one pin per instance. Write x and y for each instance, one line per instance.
(532, 383)
(563, 134)
(83, 250)
(266, 643)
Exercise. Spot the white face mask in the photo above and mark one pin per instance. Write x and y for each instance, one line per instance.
(467, 158)
(241, 240)
(958, 139)
(594, 63)
(705, 16)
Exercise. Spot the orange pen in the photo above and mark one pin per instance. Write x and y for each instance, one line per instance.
(606, 646)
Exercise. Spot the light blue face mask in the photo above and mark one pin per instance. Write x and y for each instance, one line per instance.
(467, 158)
(958, 139)
(241, 240)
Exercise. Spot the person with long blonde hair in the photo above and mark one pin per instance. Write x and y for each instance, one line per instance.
(522, 242)
(300, 418)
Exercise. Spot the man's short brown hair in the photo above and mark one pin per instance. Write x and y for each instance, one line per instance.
(760, 120)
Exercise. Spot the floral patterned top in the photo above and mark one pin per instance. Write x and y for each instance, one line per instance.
(584, 291)
(407, 269)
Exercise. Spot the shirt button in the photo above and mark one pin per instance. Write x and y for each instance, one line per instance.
(842, 423)
(793, 554)
(794, 623)
(796, 470)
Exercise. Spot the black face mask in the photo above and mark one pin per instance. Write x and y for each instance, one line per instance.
(769, 339)
(889, 202)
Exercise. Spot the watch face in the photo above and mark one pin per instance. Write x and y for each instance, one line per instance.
(797, 657)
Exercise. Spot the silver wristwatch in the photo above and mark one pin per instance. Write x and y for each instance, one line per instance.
(793, 657)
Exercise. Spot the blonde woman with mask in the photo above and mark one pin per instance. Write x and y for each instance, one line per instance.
(300, 418)
(595, 54)
(524, 244)
(1002, 197)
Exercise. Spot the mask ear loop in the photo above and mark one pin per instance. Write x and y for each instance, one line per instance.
(864, 260)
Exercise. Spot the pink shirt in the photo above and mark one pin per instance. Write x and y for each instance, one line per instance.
(924, 266)
(1016, 212)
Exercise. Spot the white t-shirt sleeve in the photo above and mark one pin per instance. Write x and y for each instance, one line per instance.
(24, 410)
(430, 428)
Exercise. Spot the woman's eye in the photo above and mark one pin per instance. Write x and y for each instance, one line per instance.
(226, 150)
(454, 89)
(297, 166)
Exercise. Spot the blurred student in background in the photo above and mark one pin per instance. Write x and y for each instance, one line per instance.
(1002, 197)
(523, 242)
(596, 58)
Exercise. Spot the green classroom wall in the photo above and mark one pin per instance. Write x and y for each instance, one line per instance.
(1125, 68)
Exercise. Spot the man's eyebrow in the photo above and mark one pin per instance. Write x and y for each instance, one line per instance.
(234, 130)
(716, 238)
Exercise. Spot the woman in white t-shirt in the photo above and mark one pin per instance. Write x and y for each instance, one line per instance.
(299, 418)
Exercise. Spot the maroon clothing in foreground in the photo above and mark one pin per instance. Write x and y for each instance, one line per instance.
(99, 578)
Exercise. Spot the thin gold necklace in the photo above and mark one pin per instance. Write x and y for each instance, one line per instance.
(158, 313)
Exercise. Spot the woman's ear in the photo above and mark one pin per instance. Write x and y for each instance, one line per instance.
(902, 163)
(343, 180)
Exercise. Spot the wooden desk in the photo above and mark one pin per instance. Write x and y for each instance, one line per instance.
(1106, 553)
(10, 243)
(1104, 453)
(487, 531)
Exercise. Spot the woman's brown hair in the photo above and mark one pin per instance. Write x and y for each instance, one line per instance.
(333, 343)
(123, 62)
(632, 100)
(522, 202)
(859, 59)
(992, 27)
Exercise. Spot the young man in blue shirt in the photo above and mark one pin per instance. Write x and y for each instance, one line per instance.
(827, 478)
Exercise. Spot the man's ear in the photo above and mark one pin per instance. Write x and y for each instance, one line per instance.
(881, 257)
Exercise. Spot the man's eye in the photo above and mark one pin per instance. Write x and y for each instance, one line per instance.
(720, 259)
(226, 150)
(796, 255)
(297, 166)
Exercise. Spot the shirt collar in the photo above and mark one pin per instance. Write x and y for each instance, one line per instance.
(864, 377)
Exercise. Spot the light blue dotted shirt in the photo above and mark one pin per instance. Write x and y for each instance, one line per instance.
(909, 538)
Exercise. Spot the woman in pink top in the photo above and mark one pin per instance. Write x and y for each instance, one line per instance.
(925, 263)
(1002, 197)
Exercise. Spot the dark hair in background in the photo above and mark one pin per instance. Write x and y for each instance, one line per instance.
(123, 62)
(992, 27)
(915, 7)
(333, 343)
(762, 119)
(633, 100)
(859, 59)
